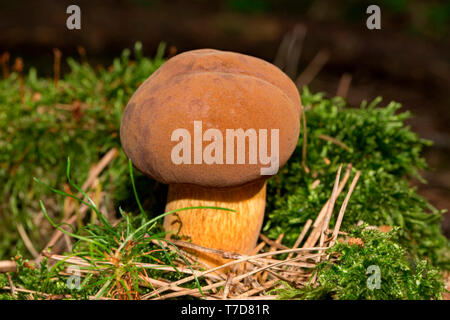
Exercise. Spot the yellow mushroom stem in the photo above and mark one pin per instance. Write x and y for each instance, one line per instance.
(217, 229)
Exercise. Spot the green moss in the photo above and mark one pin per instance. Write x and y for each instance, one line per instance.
(112, 253)
(388, 154)
(80, 119)
(354, 275)
(40, 129)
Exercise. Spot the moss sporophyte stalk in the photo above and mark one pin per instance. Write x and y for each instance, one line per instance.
(80, 119)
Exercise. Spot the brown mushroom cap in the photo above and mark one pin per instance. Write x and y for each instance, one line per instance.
(224, 90)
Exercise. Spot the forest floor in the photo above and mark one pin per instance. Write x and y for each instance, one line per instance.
(391, 63)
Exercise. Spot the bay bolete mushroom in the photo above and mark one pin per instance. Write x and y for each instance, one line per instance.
(213, 125)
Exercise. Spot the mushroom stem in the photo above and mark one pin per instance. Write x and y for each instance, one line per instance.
(217, 229)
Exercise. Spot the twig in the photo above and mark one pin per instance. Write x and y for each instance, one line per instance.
(273, 297)
(188, 256)
(46, 294)
(218, 284)
(56, 65)
(343, 207)
(344, 85)
(334, 140)
(329, 209)
(243, 259)
(226, 289)
(8, 266)
(265, 286)
(272, 248)
(294, 50)
(315, 184)
(82, 52)
(83, 262)
(95, 172)
(18, 67)
(301, 236)
(273, 273)
(315, 233)
(230, 255)
(289, 51)
(157, 283)
(296, 269)
(223, 254)
(57, 234)
(99, 292)
(107, 158)
(313, 68)
(5, 64)
(27, 241)
(11, 285)
(208, 281)
(323, 211)
(274, 244)
(258, 248)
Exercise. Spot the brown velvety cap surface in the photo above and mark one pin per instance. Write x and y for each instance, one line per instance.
(223, 90)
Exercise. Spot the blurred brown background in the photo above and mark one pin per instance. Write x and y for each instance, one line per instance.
(408, 60)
